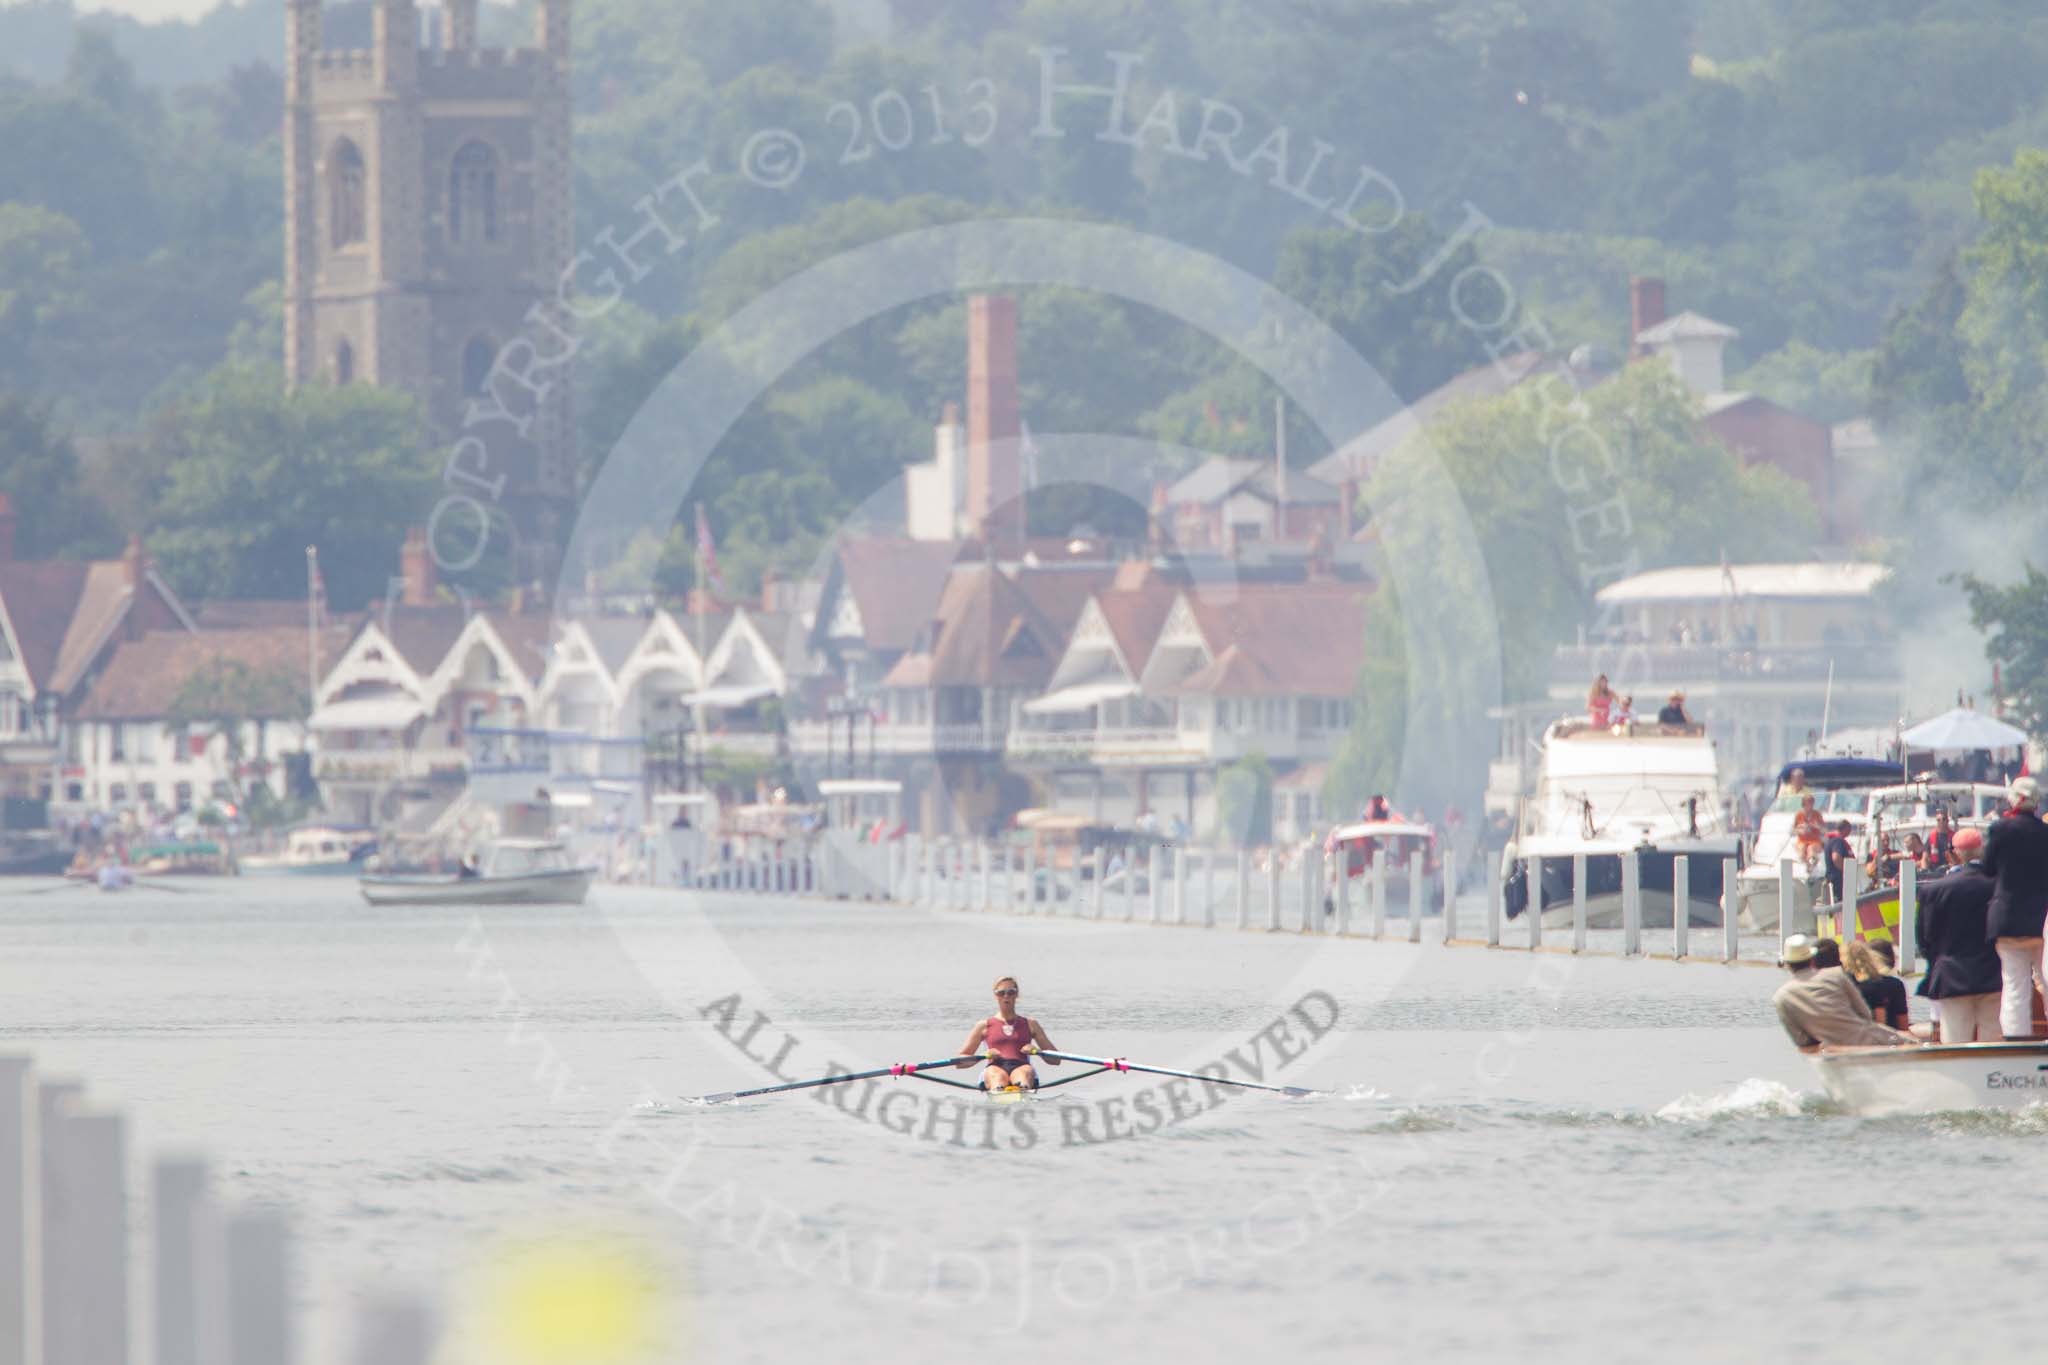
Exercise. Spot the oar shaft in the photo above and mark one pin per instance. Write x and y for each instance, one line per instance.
(1120, 1064)
(900, 1069)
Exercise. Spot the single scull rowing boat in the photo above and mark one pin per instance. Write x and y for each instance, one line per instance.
(1008, 1094)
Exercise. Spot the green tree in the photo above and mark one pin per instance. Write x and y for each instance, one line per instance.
(1359, 284)
(225, 694)
(1637, 484)
(264, 471)
(2016, 615)
(39, 472)
(1244, 802)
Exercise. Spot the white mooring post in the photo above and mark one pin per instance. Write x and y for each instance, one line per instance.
(1100, 866)
(1343, 892)
(1379, 893)
(1731, 893)
(259, 1290)
(1130, 885)
(1155, 892)
(1274, 887)
(1244, 889)
(1497, 902)
(1450, 894)
(1631, 905)
(85, 1222)
(1534, 881)
(1418, 893)
(1451, 907)
(1681, 904)
(1180, 884)
(986, 880)
(1031, 880)
(1208, 856)
(189, 1284)
(1785, 895)
(1578, 902)
(1909, 914)
(21, 1224)
(1311, 892)
(393, 1331)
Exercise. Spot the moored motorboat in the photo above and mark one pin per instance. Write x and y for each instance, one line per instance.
(317, 851)
(511, 872)
(1877, 1081)
(1603, 792)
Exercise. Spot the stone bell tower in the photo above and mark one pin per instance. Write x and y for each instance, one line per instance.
(428, 218)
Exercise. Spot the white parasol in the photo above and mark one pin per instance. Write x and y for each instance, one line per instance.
(1962, 730)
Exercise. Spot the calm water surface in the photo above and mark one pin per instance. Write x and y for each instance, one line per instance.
(1583, 1157)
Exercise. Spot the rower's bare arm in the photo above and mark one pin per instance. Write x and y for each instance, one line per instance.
(972, 1046)
(1044, 1043)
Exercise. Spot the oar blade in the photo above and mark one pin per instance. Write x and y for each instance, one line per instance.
(727, 1098)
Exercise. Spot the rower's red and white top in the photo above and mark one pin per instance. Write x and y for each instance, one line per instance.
(1006, 1038)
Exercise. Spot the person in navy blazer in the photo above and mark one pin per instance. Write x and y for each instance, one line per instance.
(2016, 857)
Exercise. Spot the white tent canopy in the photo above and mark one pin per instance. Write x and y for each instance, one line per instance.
(393, 712)
(1081, 697)
(729, 694)
(1963, 730)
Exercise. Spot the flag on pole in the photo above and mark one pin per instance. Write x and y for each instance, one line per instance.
(316, 588)
(707, 554)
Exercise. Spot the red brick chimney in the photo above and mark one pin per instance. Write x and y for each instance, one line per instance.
(995, 506)
(7, 522)
(134, 563)
(416, 566)
(1645, 309)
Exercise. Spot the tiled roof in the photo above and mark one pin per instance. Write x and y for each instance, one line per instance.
(526, 635)
(1216, 479)
(1297, 639)
(41, 598)
(422, 635)
(896, 584)
(1060, 592)
(1134, 616)
(144, 676)
(989, 634)
(614, 638)
(243, 613)
(1686, 326)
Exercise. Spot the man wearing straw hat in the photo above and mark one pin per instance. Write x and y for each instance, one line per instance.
(2016, 855)
(1821, 1007)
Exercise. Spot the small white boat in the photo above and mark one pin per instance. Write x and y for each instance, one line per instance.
(317, 851)
(512, 872)
(1876, 1081)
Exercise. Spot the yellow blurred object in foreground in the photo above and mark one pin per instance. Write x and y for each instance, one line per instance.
(581, 1302)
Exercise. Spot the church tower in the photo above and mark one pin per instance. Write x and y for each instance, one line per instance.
(428, 215)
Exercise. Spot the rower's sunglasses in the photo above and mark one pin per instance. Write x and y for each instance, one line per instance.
(1011, 991)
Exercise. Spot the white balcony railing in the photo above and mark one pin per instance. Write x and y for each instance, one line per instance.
(390, 765)
(814, 739)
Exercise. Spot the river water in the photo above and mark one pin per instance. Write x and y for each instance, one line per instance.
(1523, 1153)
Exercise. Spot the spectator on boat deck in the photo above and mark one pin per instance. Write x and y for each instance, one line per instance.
(1941, 842)
(1915, 851)
(1809, 831)
(1963, 976)
(2016, 857)
(1674, 712)
(1625, 714)
(1600, 702)
(1883, 992)
(1821, 1007)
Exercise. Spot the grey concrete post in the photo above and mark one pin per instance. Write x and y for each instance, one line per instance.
(190, 1329)
(21, 1224)
(259, 1291)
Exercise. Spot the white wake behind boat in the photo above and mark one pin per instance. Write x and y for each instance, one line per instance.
(512, 872)
(1877, 1081)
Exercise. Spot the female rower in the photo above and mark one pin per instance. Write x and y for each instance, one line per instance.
(1009, 1039)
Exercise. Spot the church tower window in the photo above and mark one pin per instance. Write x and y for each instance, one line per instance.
(473, 195)
(345, 182)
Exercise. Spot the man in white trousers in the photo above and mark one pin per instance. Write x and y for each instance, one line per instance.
(2016, 855)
